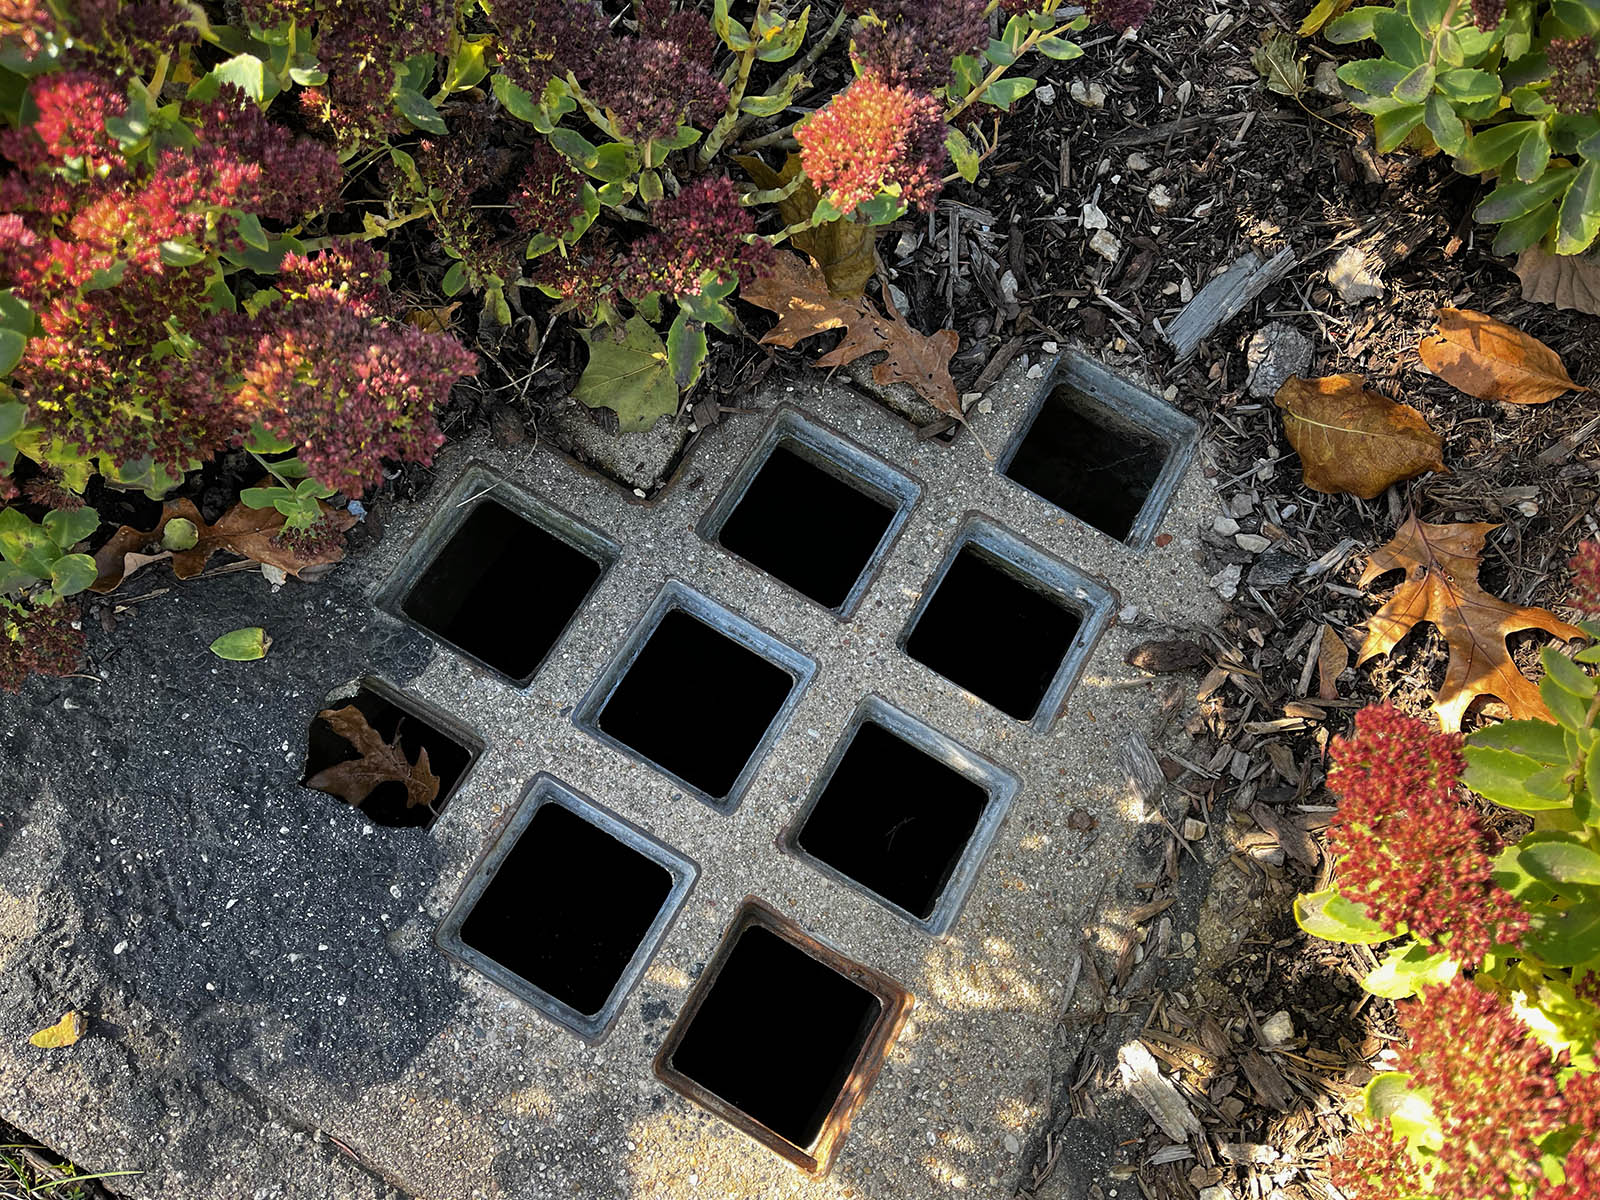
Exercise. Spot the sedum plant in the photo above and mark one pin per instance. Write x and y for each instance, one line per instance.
(1496, 969)
(1506, 88)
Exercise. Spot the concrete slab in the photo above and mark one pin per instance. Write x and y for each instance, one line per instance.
(444, 1083)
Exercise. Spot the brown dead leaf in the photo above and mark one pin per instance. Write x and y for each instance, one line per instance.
(1441, 563)
(1353, 439)
(434, 320)
(1333, 656)
(1565, 280)
(380, 762)
(796, 291)
(844, 249)
(1493, 361)
(251, 532)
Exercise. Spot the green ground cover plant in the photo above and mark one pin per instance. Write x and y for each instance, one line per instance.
(196, 200)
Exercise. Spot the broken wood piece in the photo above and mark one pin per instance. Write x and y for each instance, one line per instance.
(1225, 298)
(1154, 1093)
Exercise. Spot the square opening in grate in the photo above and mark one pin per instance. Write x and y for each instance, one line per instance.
(595, 898)
(893, 819)
(995, 633)
(567, 907)
(400, 723)
(502, 589)
(808, 526)
(783, 1036)
(1097, 464)
(696, 702)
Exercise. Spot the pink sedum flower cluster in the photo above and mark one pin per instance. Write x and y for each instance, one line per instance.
(914, 42)
(48, 641)
(703, 228)
(1412, 853)
(872, 137)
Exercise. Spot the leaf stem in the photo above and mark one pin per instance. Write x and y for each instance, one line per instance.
(730, 116)
(993, 77)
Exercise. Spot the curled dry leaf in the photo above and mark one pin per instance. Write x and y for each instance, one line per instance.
(380, 762)
(798, 293)
(1441, 563)
(845, 250)
(1493, 361)
(1333, 656)
(1565, 280)
(252, 532)
(1353, 439)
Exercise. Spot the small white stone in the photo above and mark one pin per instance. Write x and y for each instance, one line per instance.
(1049, 347)
(1012, 1145)
(1093, 218)
(1278, 1030)
(1138, 162)
(1226, 526)
(1090, 95)
(119, 947)
(1046, 93)
(1105, 244)
(276, 576)
(1252, 543)
(1226, 581)
(1215, 1192)
(1160, 199)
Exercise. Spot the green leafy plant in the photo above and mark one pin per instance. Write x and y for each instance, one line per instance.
(1506, 88)
(1501, 944)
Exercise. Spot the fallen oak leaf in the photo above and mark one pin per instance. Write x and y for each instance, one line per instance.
(251, 532)
(1441, 563)
(1333, 656)
(1353, 439)
(1491, 360)
(1564, 280)
(379, 762)
(796, 290)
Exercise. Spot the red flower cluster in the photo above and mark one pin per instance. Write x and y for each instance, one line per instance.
(1120, 14)
(134, 33)
(47, 640)
(914, 42)
(871, 137)
(1413, 854)
(359, 45)
(541, 40)
(1582, 1164)
(584, 277)
(550, 195)
(702, 228)
(1487, 14)
(1585, 566)
(319, 369)
(1574, 75)
(84, 248)
(1373, 1165)
(1493, 1086)
(649, 81)
(466, 178)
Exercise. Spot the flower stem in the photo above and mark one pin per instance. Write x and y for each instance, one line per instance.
(993, 77)
(730, 116)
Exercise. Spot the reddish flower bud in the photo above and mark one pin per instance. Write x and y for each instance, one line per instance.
(874, 137)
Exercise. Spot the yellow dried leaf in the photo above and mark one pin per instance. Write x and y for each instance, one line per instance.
(1353, 439)
(1492, 360)
(64, 1032)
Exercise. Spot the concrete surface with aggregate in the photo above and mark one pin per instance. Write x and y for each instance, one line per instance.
(269, 1015)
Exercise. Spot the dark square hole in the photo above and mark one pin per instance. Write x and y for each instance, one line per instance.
(1094, 465)
(696, 702)
(894, 819)
(808, 526)
(777, 1035)
(448, 757)
(568, 908)
(502, 589)
(987, 630)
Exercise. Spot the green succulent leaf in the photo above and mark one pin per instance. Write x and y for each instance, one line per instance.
(1516, 199)
(12, 347)
(962, 154)
(1466, 86)
(69, 526)
(1417, 85)
(420, 111)
(1448, 132)
(1003, 93)
(71, 573)
(242, 645)
(1559, 859)
(1406, 970)
(1395, 126)
(1375, 76)
(1569, 937)
(1357, 25)
(1389, 1097)
(1579, 220)
(1330, 916)
(1059, 48)
(686, 349)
